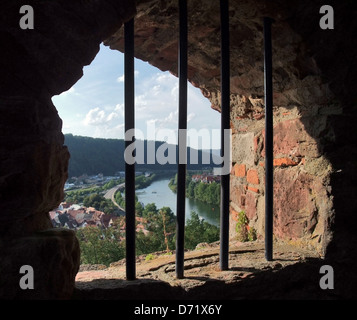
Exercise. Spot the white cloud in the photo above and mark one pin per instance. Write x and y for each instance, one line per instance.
(164, 77)
(119, 108)
(141, 101)
(122, 77)
(112, 116)
(99, 117)
(95, 117)
(174, 91)
(105, 124)
(191, 116)
(171, 118)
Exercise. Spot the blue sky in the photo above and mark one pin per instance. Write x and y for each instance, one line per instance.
(94, 106)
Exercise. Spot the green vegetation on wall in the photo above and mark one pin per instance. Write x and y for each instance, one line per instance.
(243, 230)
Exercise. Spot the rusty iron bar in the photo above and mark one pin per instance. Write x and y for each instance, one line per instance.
(182, 141)
(129, 97)
(269, 135)
(225, 125)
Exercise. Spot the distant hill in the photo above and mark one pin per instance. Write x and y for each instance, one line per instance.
(96, 155)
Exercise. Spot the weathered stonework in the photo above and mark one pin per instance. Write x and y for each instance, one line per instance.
(314, 118)
(308, 98)
(37, 64)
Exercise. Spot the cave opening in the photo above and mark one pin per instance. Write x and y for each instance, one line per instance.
(101, 117)
(315, 112)
(94, 108)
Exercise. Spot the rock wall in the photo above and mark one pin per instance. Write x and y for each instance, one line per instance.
(314, 108)
(37, 64)
(311, 80)
(303, 202)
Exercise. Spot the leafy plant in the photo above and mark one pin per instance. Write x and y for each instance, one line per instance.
(252, 234)
(197, 231)
(244, 231)
(149, 257)
(241, 227)
(100, 246)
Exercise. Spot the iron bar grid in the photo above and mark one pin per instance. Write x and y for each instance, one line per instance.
(225, 124)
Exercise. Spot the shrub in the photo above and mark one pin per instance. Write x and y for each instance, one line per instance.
(244, 231)
(149, 257)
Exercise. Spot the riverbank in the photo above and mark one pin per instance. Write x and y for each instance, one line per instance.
(160, 194)
(200, 187)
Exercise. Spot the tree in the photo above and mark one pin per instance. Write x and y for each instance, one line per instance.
(98, 202)
(213, 193)
(99, 245)
(94, 200)
(139, 208)
(190, 191)
(197, 231)
(161, 225)
(149, 210)
(200, 192)
(120, 200)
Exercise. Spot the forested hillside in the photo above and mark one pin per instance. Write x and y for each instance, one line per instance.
(95, 155)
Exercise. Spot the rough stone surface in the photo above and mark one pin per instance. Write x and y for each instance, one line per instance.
(314, 109)
(54, 257)
(309, 68)
(36, 65)
(293, 274)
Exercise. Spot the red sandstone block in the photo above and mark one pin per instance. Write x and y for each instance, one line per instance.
(284, 162)
(234, 214)
(233, 170)
(239, 170)
(252, 176)
(251, 208)
(253, 189)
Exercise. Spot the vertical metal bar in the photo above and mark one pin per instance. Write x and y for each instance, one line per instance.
(129, 139)
(225, 124)
(268, 88)
(182, 141)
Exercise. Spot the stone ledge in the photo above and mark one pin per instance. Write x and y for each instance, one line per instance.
(294, 273)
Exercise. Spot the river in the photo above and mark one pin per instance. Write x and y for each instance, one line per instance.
(160, 194)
